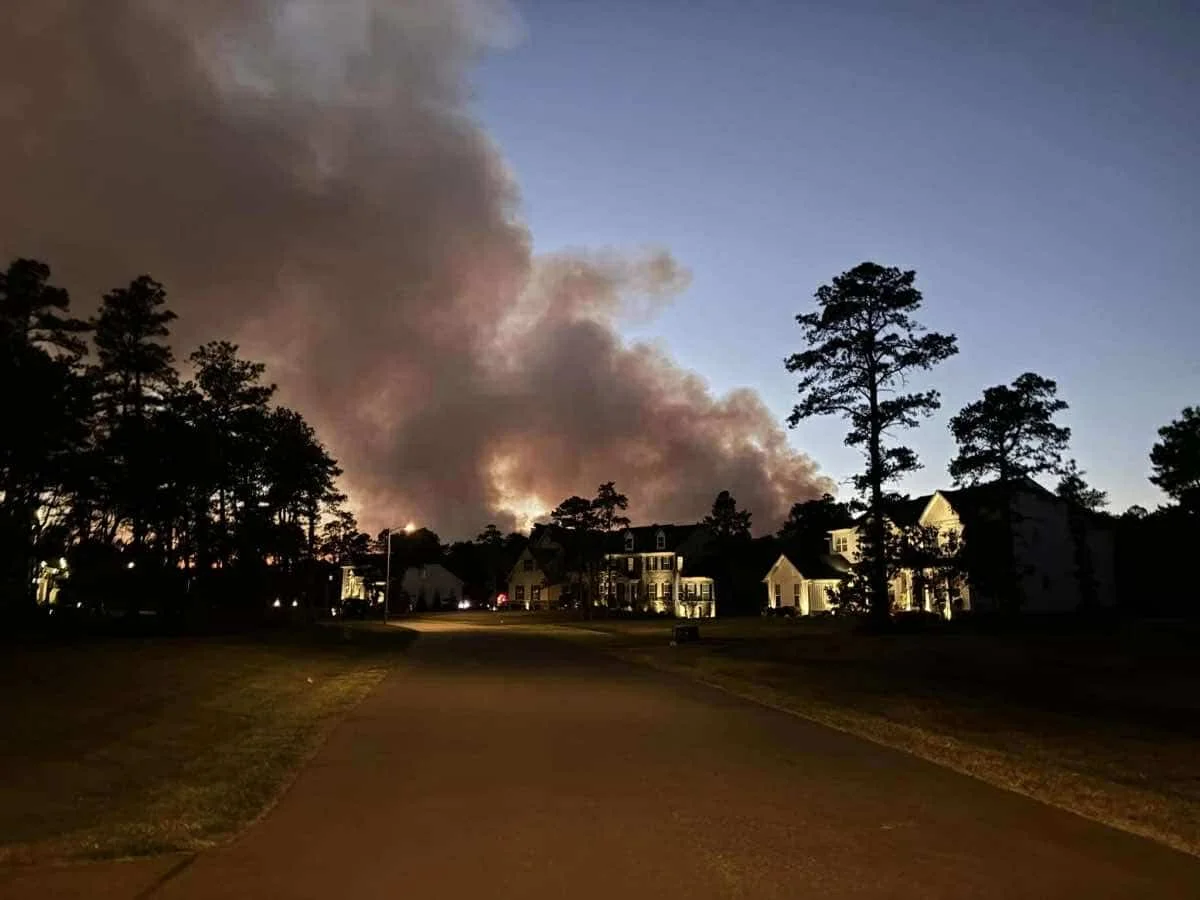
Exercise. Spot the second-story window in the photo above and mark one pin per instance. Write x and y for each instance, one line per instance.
(668, 562)
(629, 563)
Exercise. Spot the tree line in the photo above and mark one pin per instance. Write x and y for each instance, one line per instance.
(114, 458)
(863, 347)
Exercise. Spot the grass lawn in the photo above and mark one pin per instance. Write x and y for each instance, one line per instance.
(1104, 724)
(122, 747)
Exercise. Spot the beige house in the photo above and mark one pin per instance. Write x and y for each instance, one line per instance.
(803, 583)
(645, 570)
(536, 579)
(1048, 536)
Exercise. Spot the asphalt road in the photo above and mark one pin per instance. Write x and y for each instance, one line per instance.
(502, 764)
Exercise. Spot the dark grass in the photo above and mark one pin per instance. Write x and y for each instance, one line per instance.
(1100, 720)
(130, 746)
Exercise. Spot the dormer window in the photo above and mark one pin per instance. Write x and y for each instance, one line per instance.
(629, 542)
(660, 541)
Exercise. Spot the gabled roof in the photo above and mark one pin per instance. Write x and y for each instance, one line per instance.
(645, 537)
(814, 566)
(970, 502)
(431, 567)
(900, 511)
(547, 561)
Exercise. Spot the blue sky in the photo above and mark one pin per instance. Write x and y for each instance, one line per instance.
(1035, 163)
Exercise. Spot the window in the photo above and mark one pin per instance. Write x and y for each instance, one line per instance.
(795, 593)
(652, 563)
(629, 542)
(777, 590)
(535, 594)
(841, 543)
(629, 563)
(660, 541)
(520, 593)
(668, 562)
(667, 593)
(527, 565)
(706, 591)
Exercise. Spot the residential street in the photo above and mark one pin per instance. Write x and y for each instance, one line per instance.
(502, 763)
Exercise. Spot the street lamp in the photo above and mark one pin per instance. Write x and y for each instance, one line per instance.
(387, 582)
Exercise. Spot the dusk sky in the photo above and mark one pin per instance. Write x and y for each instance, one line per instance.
(1034, 162)
(500, 255)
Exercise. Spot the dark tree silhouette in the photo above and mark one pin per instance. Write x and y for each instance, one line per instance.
(726, 520)
(863, 343)
(1009, 435)
(809, 522)
(1175, 460)
(1072, 488)
(134, 371)
(123, 464)
(606, 504)
(45, 408)
(1083, 502)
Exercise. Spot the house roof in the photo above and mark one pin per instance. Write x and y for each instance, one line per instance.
(970, 502)
(815, 566)
(547, 560)
(901, 510)
(645, 537)
(432, 567)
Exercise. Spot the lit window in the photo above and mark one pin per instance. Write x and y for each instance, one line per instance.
(535, 593)
(660, 541)
(841, 544)
(520, 593)
(629, 563)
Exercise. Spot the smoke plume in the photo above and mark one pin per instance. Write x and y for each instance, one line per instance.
(305, 177)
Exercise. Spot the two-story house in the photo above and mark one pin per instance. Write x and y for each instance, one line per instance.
(1052, 542)
(430, 587)
(845, 543)
(645, 569)
(537, 578)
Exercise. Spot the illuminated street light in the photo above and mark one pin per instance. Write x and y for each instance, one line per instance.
(387, 584)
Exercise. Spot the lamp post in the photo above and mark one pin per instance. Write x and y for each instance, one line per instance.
(387, 578)
(387, 584)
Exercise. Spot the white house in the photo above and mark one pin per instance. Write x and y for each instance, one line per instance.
(431, 587)
(1045, 548)
(803, 582)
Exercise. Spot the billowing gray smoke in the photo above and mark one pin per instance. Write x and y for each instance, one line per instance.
(305, 178)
